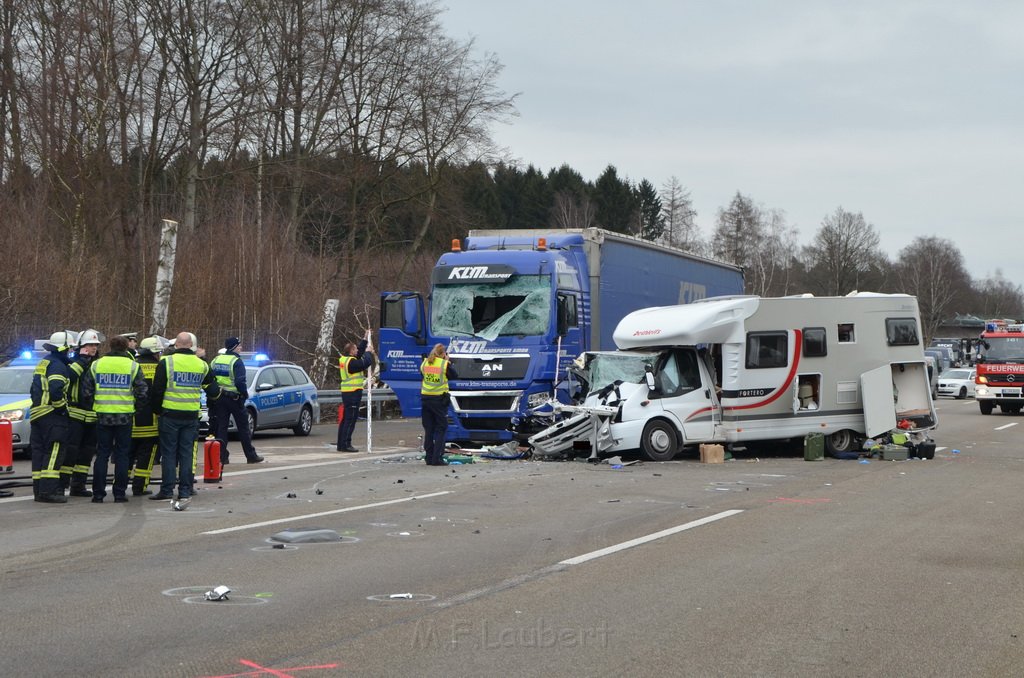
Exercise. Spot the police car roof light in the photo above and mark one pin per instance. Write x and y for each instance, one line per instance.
(261, 357)
(26, 354)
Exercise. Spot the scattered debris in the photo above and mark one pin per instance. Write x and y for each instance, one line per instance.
(218, 593)
(180, 504)
(278, 546)
(614, 501)
(399, 481)
(405, 596)
(319, 491)
(292, 495)
(306, 535)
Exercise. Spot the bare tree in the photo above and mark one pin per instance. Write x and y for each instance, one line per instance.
(842, 253)
(997, 297)
(681, 228)
(932, 269)
(572, 211)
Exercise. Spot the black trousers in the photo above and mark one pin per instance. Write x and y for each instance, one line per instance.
(435, 426)
(350, 402)
(48, 440)
(228, 406)
(81, 450)
(144, 454)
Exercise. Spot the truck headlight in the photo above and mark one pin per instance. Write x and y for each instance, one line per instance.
(538, 399)
(13, 415)
(981, 390)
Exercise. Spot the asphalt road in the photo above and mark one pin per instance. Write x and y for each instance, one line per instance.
(765, 566)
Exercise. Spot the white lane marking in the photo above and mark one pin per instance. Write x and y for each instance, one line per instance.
(1000, 428)
(239, 528)
(270, 467)
(648, 538)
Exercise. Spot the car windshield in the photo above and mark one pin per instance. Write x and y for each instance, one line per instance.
(607, 368)
(956, 374)
(15, 380)
(250, 374)
(520, 306)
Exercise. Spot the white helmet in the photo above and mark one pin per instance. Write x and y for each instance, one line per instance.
(60, 341)
(151, 344)
(90, 337)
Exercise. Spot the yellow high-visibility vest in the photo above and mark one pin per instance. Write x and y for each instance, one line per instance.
(349, 381)
(114, 375)
(185, 375)
(435, 377)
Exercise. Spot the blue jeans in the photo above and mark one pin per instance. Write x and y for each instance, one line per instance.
(178, 455)
(116, 442)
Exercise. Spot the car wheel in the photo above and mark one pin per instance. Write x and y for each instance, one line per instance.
(305, 424)
(963, 393)
(985, 407)
(840, 442)
(250, 417)
(659, 441)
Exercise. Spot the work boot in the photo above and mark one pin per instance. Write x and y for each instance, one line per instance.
(52, 499)
(161, 497)
(255, 460)
(79, 491)
(139, 488)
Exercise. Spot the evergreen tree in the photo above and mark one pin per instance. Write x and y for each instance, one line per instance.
(652, 223)
(616, 202)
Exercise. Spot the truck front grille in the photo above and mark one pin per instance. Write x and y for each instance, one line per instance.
(486, 403)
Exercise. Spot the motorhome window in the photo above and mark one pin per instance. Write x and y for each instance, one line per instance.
(678, 375)
(901, 331)
(521, 306)
(814, 342)
(607, 368)
(846, 335)
(767, 349)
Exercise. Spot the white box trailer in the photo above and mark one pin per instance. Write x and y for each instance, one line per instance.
(739, 369)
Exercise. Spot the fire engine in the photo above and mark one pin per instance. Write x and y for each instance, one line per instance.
(1000, 367)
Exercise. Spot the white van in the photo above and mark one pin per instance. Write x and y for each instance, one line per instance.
(735, 369)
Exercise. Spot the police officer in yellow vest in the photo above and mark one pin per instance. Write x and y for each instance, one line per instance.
(113, 386)
(230, 373)
(145, 437)
(352, 365)
(81, 419)
(436, 371)
(180, 379)
(48, 418)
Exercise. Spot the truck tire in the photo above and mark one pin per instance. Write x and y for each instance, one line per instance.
(305, 424)
(841, 442)
(660, 442)
(985, 406)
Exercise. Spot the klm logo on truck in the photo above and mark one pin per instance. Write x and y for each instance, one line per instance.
(475, 273)
(690, 292)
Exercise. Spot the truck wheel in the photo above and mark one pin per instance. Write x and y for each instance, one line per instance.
(305, 424)
(659, 442)
(963, 393)
(840, 442)
(985, 406)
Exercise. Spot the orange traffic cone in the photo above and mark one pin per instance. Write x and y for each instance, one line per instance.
(212, 470)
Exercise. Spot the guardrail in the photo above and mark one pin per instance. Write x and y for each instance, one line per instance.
(380, 396)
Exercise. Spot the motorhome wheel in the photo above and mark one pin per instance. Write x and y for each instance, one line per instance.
(840, 441)
(659, 442)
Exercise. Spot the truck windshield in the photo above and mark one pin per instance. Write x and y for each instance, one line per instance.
(607, 368)
(521, 306)
(1004, 350)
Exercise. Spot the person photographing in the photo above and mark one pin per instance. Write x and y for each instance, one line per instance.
(437, 370)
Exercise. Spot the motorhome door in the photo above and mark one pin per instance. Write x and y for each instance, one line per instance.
(876, 394)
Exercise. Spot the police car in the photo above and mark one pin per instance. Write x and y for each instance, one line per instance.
(281, 395)
(15, 383)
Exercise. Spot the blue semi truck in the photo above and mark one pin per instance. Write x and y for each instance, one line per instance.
(515, 307)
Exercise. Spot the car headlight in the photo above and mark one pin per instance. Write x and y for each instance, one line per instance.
(13, 415)
(538, 399)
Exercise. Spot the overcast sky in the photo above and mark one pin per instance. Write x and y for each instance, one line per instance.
(911, 113)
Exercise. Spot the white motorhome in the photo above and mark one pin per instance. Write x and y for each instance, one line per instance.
(737, 369)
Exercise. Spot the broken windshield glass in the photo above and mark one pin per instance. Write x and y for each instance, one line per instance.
(520, 306)
(607, 368)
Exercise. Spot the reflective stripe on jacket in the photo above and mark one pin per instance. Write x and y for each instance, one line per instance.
(435, 377)
(75, 409)
(185, 375)
(114, 375)
(223, 367)
(48, 377)
(349, 381)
